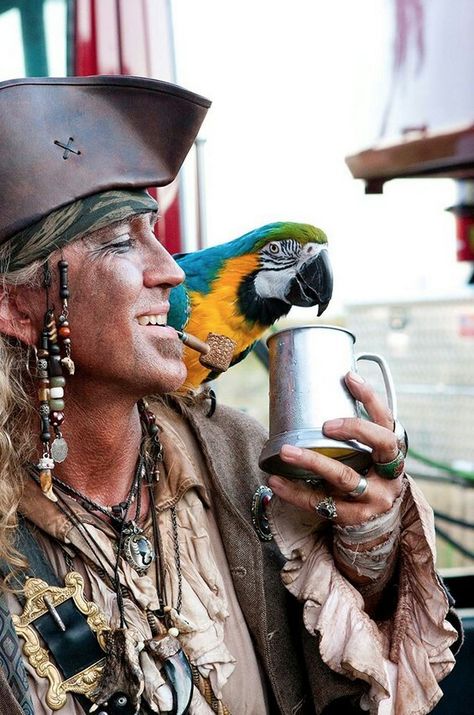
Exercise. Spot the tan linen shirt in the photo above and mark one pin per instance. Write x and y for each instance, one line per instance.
(325, 649)
(213, 629)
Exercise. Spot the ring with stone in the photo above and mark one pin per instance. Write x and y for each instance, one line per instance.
(392, 469)
(326, 508)
(360, 488)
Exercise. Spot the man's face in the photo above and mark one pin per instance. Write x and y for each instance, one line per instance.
(118, 277)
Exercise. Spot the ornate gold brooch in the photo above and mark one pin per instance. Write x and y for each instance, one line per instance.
(42, 599)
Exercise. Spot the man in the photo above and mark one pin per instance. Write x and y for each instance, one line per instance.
(146, 586)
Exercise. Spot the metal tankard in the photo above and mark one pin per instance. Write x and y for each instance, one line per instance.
(307, 387)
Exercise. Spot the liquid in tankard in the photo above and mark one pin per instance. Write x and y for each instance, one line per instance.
(307, 369)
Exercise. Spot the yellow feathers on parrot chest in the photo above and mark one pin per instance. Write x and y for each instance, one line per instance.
(218, 312)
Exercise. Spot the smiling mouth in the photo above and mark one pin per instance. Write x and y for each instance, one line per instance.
(152, 319)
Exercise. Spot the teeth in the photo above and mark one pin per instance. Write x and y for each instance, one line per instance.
(152, 319)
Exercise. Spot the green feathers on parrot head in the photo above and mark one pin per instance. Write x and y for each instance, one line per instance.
(283, 230)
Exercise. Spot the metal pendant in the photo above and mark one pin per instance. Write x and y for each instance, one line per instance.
(260, 500)
(59, 449)
(137, 548)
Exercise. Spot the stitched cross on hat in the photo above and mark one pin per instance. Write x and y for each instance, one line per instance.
(67, 148)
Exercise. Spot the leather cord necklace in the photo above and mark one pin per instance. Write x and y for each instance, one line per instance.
(133, 545)
(115, 512)
(164, 644)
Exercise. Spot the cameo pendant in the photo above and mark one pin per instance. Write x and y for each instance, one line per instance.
(137, 549)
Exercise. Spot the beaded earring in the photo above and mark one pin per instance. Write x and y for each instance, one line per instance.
(46, 463)
(52, 381)
(64, 329)
(56, 391)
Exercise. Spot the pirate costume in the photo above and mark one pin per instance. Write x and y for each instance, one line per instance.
(181, 609)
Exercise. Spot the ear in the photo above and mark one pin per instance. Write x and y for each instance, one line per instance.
(14, 319)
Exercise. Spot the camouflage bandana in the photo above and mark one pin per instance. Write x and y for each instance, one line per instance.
(72, 222)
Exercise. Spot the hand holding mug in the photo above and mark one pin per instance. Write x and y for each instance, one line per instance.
(339, 480)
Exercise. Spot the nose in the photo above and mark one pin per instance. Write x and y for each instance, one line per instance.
(162, 269)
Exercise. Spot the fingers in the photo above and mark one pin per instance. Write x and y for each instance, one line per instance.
(337, 475)
(383, 442)
(339, 479)
(377, 433)
(377, 409)
(306, 498)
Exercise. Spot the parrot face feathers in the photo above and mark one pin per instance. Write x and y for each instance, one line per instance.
(312, 283)
(280, 262)
(256, 309)
(290, 273)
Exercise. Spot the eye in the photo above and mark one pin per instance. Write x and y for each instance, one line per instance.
(123, 246)
(273, 247)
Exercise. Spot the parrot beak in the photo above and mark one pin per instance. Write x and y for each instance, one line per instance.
(312, 284)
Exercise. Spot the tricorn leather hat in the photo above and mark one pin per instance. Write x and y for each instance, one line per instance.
(62, 139)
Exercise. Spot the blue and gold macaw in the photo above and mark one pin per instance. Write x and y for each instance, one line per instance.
(240, 288)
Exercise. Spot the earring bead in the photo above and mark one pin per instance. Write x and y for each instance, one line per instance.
(58, 381)
(56, 405)
(57, 418)
(43, 394)
(56, 393)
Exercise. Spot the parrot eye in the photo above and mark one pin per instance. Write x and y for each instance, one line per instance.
(273, 247)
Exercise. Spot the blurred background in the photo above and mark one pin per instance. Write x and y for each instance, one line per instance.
(299, 87)
(354, 115)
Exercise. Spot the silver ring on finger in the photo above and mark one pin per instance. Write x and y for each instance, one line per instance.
(360, 489)
(402, 437)
(392, 469)
(326, 508)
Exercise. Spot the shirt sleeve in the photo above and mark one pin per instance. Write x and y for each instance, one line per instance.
(402, 659)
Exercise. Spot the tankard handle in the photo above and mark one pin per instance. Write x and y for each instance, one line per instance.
(387, 379)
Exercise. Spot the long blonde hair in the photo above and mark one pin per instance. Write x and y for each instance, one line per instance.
(17, 417)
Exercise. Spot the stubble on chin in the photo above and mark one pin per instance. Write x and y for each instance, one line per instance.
(163, 368)
(171, 349)
(173, 377)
